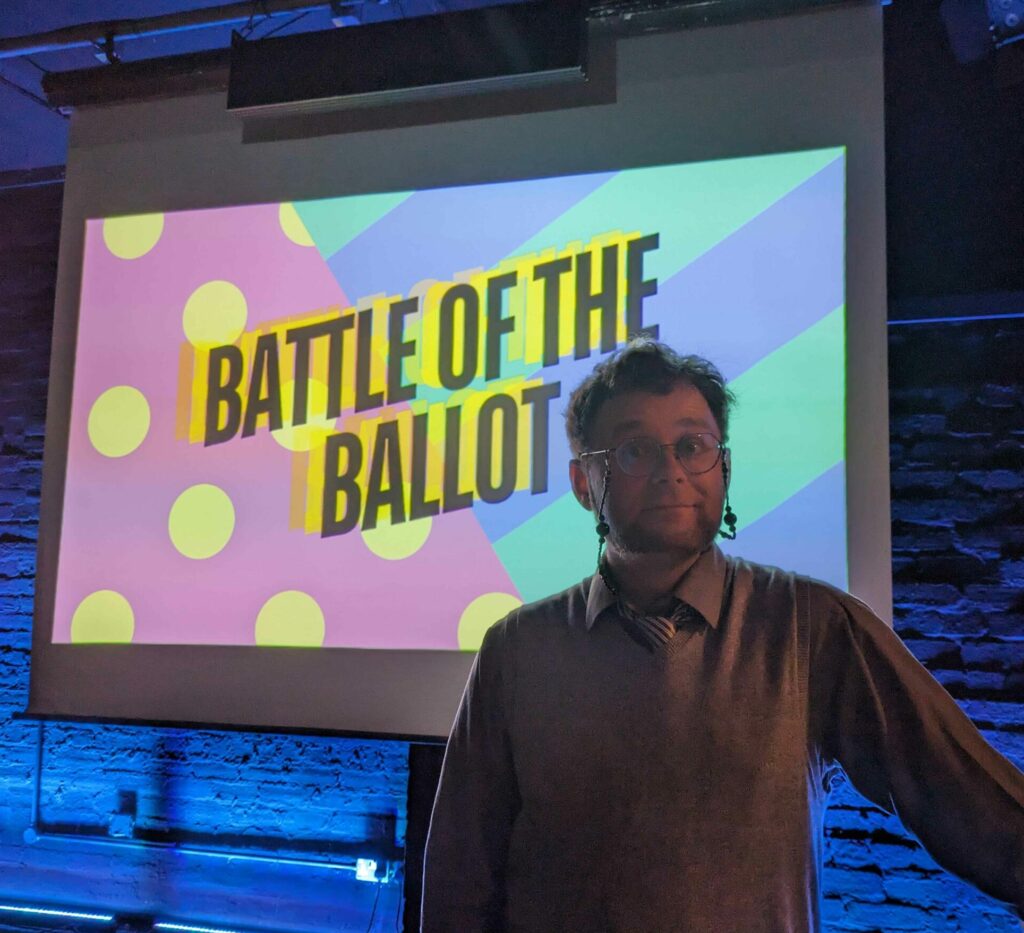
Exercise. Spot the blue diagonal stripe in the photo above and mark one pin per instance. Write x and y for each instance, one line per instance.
(763, 284)
(475, 226)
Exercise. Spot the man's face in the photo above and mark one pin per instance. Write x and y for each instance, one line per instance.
(669, 510)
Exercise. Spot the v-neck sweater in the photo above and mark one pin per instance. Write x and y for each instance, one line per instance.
(593, 785)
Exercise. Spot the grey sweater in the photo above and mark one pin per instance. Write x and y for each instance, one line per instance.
(591, 784)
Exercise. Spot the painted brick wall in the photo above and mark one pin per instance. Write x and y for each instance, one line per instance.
(957, 459)
(958, 527)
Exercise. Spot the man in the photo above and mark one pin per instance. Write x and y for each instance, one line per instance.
(651, 750)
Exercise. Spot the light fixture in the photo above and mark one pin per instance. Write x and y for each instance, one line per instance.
(366, 869)
(106, 51)
(346, 14)
(1006, 19)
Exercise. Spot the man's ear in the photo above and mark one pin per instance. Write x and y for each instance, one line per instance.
(580, 484)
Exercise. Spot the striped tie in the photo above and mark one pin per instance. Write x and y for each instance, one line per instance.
(656, 631)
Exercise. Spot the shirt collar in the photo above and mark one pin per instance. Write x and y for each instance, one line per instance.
(701, 586)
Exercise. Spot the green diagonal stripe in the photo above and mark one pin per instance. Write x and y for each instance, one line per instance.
(709, 201)
(335, 222)
(791, 404)
(547, 552)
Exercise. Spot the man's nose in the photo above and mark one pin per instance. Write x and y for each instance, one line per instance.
(670, 467)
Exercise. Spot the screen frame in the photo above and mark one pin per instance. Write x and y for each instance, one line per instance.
(150, 149)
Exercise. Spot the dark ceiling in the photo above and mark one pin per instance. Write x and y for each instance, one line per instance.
(34, 136)
(954, 150)
(954, 121)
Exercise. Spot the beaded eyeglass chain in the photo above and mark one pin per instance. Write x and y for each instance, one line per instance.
(603, 528)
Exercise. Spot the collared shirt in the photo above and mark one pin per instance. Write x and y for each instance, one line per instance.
(592, 785)
(697, 596)
(701, 586)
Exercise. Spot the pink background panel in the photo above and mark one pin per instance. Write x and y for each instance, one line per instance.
(114, 534)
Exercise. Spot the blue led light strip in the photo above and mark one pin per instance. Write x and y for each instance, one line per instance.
(959, 319)
(53, 912)
(189, 928)
(229, 854)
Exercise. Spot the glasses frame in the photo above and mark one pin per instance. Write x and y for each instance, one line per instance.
(609, 451)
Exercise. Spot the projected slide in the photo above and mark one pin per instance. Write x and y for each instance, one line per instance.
(338, 423)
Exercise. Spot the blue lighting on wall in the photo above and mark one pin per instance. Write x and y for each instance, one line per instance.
(56, 913)
(188, 928)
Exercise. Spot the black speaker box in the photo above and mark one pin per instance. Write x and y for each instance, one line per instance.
(492, 48)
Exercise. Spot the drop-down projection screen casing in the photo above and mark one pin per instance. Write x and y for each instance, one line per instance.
(238, 531)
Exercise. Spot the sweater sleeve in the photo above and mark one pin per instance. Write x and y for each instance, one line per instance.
(477, 800)
(908, 747)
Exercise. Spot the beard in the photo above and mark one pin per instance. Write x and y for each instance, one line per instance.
(637, 539)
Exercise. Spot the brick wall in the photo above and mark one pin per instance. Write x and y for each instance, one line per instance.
(958, 535)
(957, 458)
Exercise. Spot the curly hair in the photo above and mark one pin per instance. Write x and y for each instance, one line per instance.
(644, 365)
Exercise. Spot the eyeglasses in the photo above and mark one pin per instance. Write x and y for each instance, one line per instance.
(641, 456)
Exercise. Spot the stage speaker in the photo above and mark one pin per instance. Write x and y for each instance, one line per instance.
(514, 46)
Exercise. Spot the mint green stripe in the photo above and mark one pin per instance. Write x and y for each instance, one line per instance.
(335, 222)
(692, 206)
(791, 404)
(550, 551)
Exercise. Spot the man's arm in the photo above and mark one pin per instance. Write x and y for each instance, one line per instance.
(907, 746)
(477, 799)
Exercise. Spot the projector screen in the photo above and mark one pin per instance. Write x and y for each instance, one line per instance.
(306, 441)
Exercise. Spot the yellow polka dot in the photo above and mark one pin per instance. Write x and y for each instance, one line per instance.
(395, 542)
(103, 617)
(118, 421)
(201, 521)
(481, 614)
(290, 619)
(293, 226)
(314, 432)
(132, 237)
(215, 314)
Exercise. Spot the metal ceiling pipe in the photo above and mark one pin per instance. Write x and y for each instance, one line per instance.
(86, 35)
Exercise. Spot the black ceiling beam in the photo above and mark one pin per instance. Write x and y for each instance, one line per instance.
(86, 35)
(630, 17)
(151, 79)
(208, 71)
